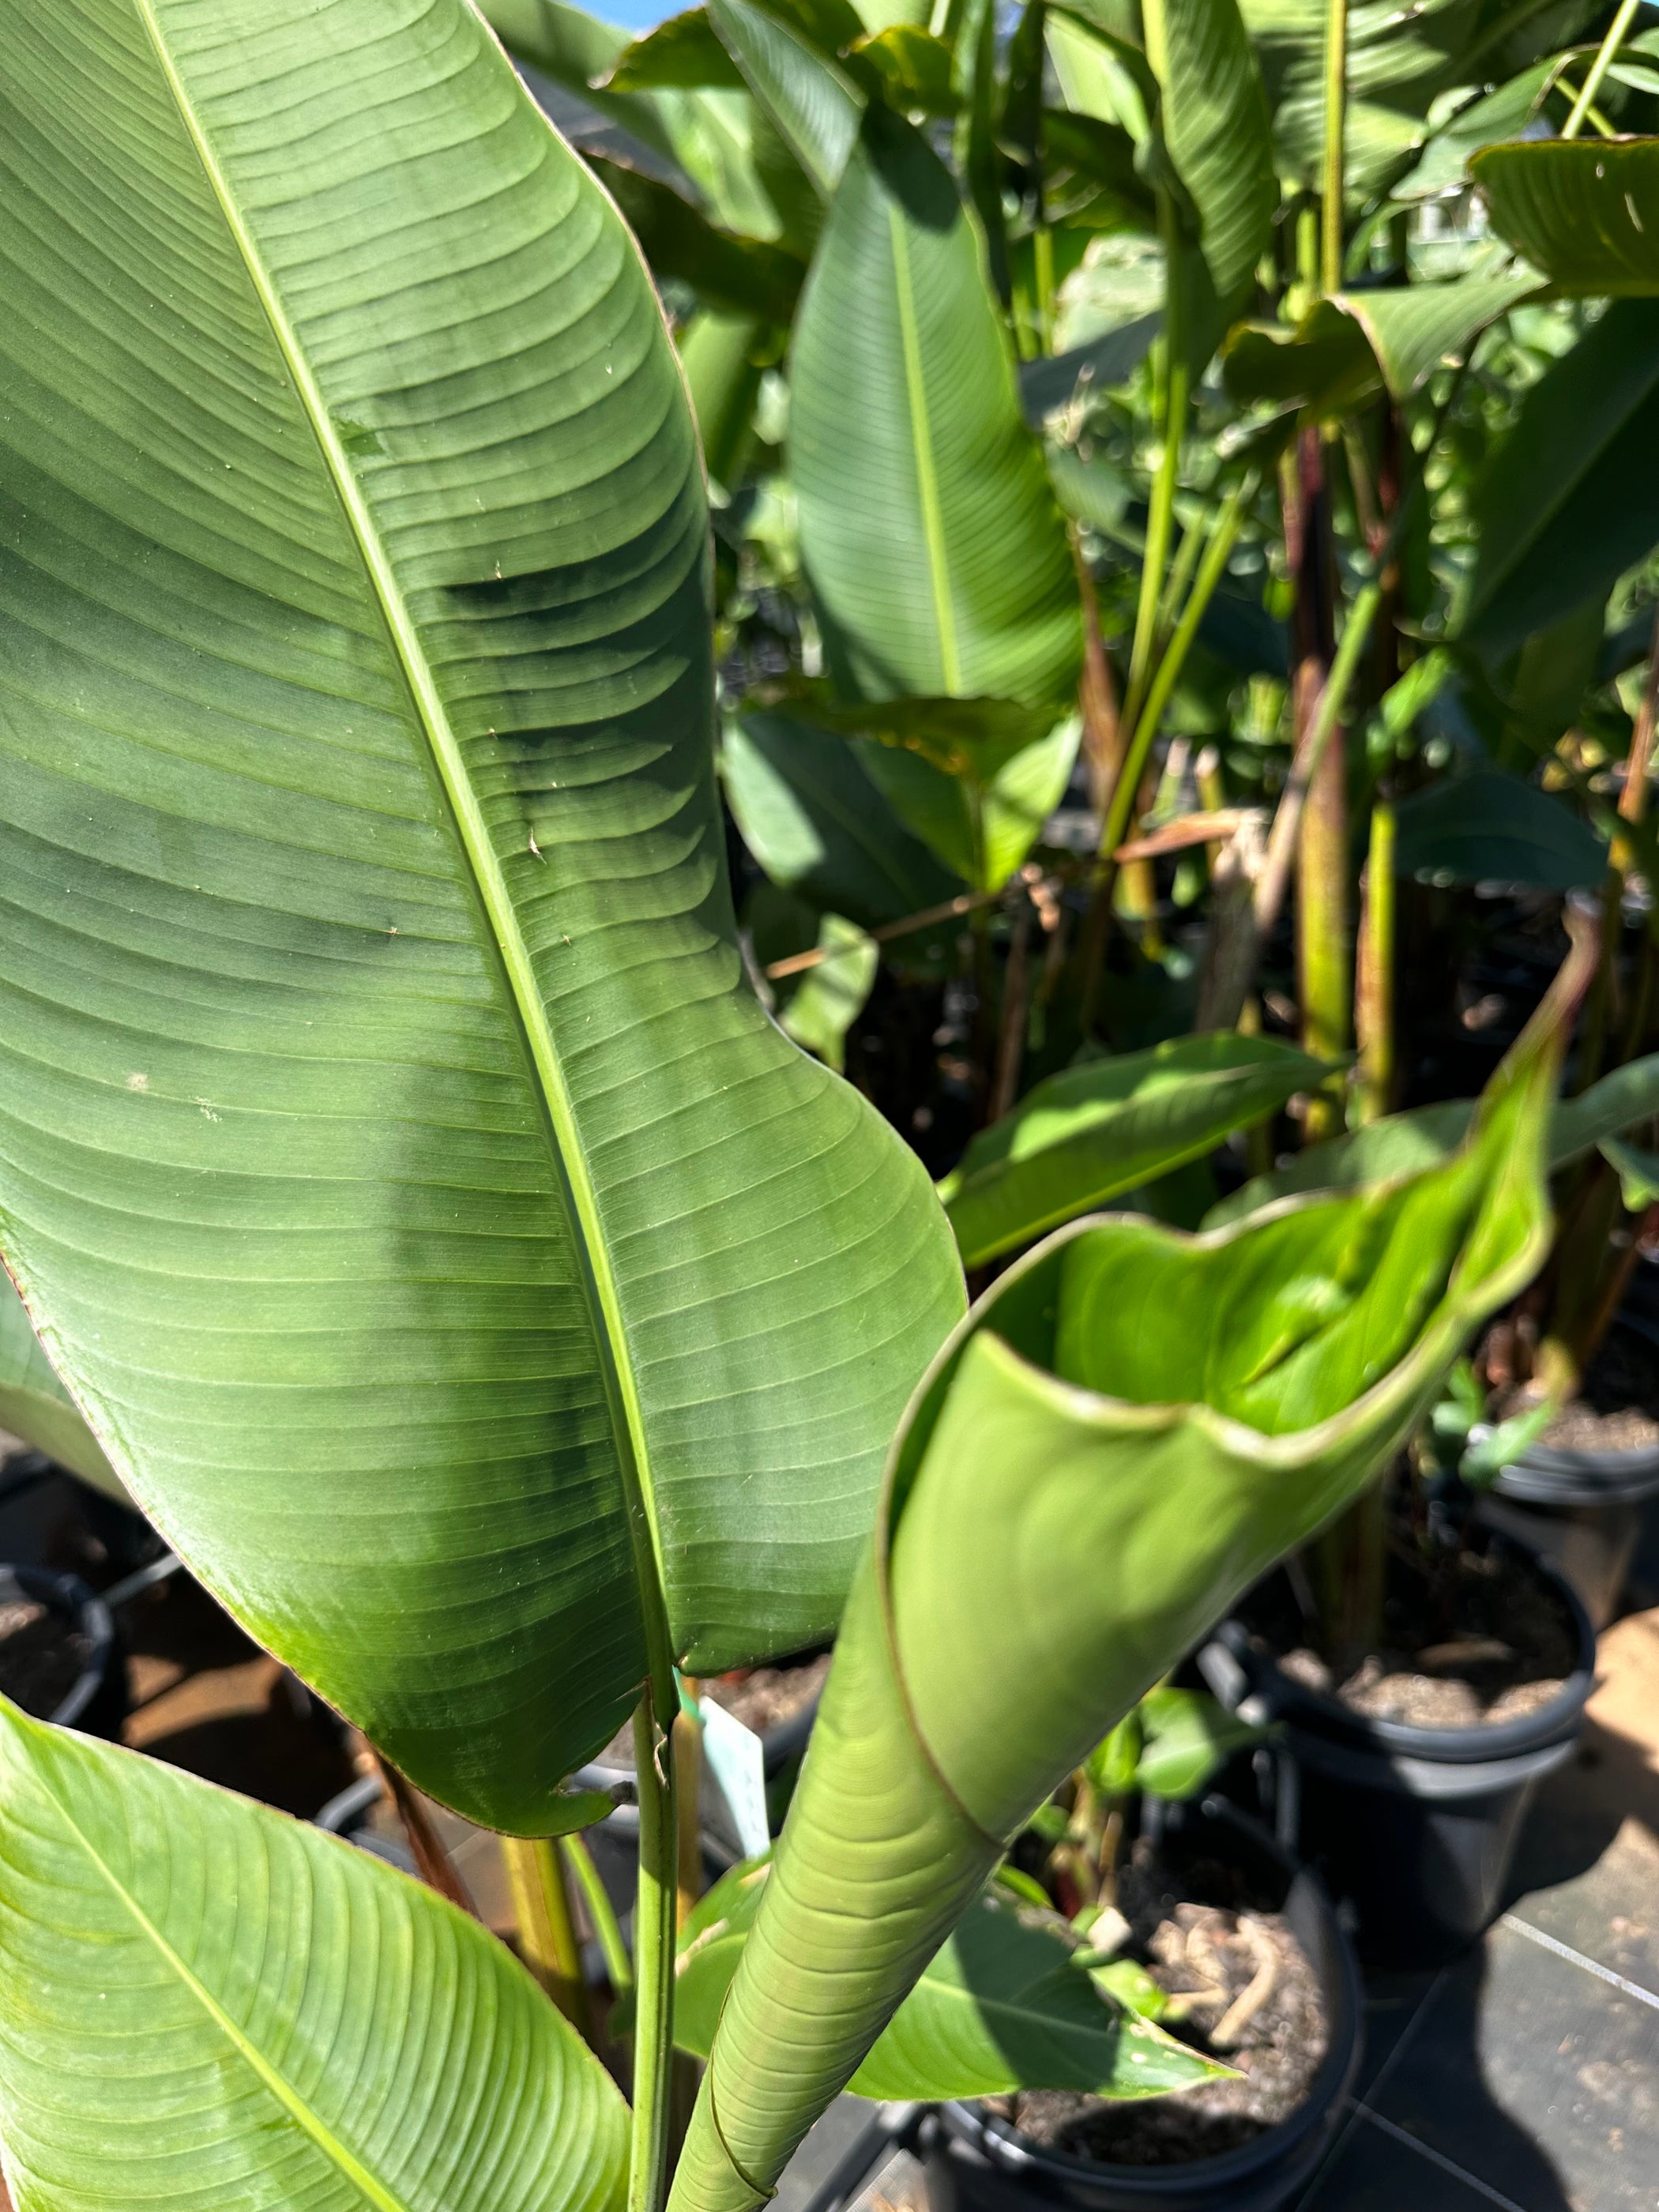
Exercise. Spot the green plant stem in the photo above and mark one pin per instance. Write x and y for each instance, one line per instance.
(1322, 944)
(1374, 983)
(1042, 263)
(1144, 730)
(547, 1936)
(1336, 73)
(1281, 845)
(1598, 68)
(1180, 582)
(1133, 764)
(1160, 516)
(578, 1864)
(655, 1927)
(1597, 121)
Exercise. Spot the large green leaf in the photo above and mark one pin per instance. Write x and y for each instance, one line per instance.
(748, 181)
(817, 824)
(732, 274)
(1443, 165)
(1214, 116)
(811, 103)
(36, 1407)
(979, 821)
(1489, 827)
(1584, 211)
(935, 550)
(1097, 1130)
(208, 2003)
(1402, 1144)
(999, 2007)
(1346, 346)
(1046, 1550)
(446, 1247)
(1569, 498)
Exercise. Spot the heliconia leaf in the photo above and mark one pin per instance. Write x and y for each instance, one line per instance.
(732, 274)
(477, 1288)
(1000, 2007)
(816, 823)
(1413, 329)
(1443, 165)
(1214, 116)
(827, 1000)
(1096, 1130)
(1402, 1144)
(36, 1408)
(1046, 1550)
(1487, 826)
(712, 132)
(207, 2003)
(1584, 211)
(682, 50)
(1187, 1737)
(812, 103)
(931, 537)
(1568, 498)
(982, 824)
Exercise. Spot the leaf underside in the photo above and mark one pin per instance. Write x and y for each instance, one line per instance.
(445, 1246)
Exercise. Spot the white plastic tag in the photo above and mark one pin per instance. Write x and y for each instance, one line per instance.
(733, 1753)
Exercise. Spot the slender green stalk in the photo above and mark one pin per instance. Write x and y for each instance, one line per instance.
(1373, 983)
(1281, 843)
(1160, 516)
(1180, 582)
(1598, 68)
(1212, 568)
(578, 1864)
(1597, 121)
(655, 1927)
(1336, 78)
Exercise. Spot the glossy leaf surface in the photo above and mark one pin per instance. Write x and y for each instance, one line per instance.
(1488, 827)
(1584, 211)
(935, 550)
(1094, 1130)
(210, 2005)
(1402, 1144)
(1569, 498)
(1214, 116)
(450, 1254)
(812, 104)
(1046, 1550)
(814, 818)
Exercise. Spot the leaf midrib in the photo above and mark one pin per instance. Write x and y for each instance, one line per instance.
(933, 519)
(564, 1141)
(311, 2122)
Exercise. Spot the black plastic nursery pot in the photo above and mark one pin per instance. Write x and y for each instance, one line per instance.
(979, 2163)
(1415, 1827)
(94, 1697)
(1580, 1511)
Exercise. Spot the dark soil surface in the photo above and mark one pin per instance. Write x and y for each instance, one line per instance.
(763, 1698)
(1246, 1994)
(1617, 1407)
(1483, 1639)
(42, 1655)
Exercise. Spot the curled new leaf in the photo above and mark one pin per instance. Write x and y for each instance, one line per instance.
(1129, 1427)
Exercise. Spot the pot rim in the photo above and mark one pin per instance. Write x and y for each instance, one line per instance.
(1318, 1713)
(1339, 1982)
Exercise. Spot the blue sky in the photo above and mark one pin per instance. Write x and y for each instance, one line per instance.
(633, 15)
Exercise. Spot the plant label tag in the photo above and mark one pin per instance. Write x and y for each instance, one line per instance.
(734, 1757)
